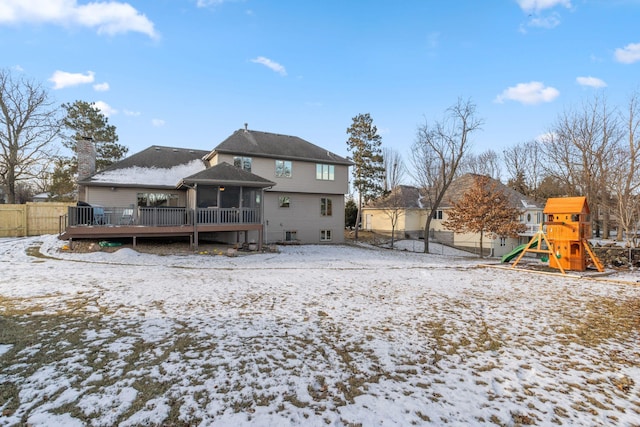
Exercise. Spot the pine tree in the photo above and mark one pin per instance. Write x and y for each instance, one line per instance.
(484, 209)
(84, 120)
(368, 171)
(350, 213)
(62, 183)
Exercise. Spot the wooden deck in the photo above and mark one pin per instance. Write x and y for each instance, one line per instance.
(191, 229)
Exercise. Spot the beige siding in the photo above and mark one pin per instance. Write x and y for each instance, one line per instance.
(303, 217)
(410, 222)
(303, 175)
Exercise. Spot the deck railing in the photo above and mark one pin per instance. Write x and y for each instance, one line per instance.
(228, 216)
(97, 216)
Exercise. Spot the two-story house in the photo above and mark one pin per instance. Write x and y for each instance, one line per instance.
(253, 187)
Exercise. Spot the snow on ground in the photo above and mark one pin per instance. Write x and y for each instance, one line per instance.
(313, 335)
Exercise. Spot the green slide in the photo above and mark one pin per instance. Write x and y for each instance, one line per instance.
(516, 251)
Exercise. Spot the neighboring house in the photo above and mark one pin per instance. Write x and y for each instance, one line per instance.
(406, 203)
(412, 218)
(40, 197)
(253, 187)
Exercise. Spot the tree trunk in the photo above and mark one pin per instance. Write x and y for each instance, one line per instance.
(11, 188)
(605, 223)
(481, 248)
(427, 225)
(393, 233)
(358, 217)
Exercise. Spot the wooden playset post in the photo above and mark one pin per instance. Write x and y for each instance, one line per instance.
(535, 246)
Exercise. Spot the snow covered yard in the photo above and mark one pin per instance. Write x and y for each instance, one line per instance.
(314, 336)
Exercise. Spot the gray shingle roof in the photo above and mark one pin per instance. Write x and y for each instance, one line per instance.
(226, 174)
(461, 185)
(402, 196)
(271, 145)
(411, 197)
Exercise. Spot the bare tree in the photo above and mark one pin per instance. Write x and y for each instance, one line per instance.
(28, 125)
(523, 163)
(486, 163)
(438, 152)
(625, 180)
(580, 150)
(394, 168)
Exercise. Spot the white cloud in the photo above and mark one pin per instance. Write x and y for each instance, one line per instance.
(539, 13)
(548, 22)
(535, 6)
(105, 108)
(107, 17)
(591, 82)
(628, 54)
(157, 122)
(271, 65)
(101, 87)
(546, 138)
(209, 3)
(131, 113)
(62, 79)
(214, 3)
(528, 93)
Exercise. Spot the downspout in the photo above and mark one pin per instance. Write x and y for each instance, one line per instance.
(195, 215)
(263, 220)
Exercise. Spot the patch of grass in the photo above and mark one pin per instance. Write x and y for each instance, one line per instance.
(605, 318)
(34, 251)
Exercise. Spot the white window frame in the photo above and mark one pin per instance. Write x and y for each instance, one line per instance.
(325, 235)
(290, 235)
(243, 163)
(284, 168)
(326, 206)
(325, 172)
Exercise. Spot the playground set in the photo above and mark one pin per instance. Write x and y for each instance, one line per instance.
(565, 243)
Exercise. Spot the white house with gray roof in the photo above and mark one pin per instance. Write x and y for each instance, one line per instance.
(253, 186)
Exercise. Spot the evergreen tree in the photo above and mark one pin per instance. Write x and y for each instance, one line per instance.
(484, 209)
(368, 172)
(518, 184)
(62, 183)
(350, 213)
(84, 120)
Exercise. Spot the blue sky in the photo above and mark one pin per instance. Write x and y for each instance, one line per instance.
(188, 73)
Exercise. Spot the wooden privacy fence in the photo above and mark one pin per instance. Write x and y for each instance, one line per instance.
(31, 219)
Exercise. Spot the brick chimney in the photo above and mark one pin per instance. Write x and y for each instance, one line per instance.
(86, 151)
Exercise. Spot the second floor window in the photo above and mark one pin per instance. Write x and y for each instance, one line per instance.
(325, 172)
(242, 163)
(283, 168)
(437, 214)
(325, 207)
